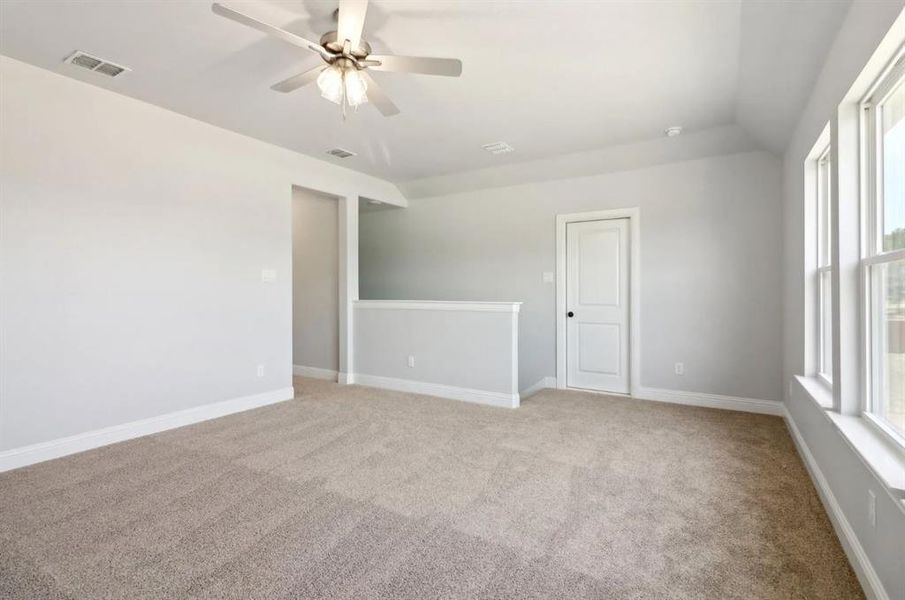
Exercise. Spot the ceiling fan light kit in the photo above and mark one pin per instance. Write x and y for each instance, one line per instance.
(345, 79)
(343, 85)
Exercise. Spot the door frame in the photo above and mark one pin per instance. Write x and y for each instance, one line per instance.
(633, 214)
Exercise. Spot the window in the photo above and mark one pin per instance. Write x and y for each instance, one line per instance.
(883, 264)
(824, 283)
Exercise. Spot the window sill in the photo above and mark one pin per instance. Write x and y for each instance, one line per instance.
(884, 458)
(819, 391)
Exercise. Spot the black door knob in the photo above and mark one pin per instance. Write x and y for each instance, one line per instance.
(570, 314)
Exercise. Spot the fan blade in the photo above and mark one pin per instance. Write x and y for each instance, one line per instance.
(351, 21)
(376, 97)
(276, 32)
(297, 81)
(449, 67)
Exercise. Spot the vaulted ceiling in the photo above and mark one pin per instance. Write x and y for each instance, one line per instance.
(549, 77)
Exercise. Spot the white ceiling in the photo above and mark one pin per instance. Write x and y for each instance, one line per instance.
(550, 77)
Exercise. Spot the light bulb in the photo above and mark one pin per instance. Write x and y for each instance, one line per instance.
(356, 87)
(330, 82)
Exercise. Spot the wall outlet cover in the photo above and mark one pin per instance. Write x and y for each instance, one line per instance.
(268, 275)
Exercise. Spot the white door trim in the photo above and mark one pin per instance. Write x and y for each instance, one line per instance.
(634, 217)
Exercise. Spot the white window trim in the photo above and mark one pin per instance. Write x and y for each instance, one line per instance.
(825, 378)
(822, 193)
(885, 459)
(843, 404)
(884, 429)
(872, 252)
(884, 86)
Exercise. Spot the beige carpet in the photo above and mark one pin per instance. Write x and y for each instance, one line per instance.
(359, 493)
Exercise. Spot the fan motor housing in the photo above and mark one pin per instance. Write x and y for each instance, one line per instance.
(329, 41)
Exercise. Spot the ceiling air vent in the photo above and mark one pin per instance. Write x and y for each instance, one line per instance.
(340, 153)
(93, 63)
(498, 148)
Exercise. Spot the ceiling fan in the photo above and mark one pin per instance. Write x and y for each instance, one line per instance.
(344, 78)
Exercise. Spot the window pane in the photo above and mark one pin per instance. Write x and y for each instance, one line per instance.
(893, 209)
(888, 342)
(826, 324)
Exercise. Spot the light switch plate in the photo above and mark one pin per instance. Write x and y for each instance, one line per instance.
(268, 275)
(548, 276)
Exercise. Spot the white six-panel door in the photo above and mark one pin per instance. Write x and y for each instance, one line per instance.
(597, 297)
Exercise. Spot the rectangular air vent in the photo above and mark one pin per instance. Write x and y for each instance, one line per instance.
(340, 153)
(93, 63)
(498, 148)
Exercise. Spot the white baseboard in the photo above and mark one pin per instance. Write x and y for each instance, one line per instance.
(345, 378)
(443, 391)
(751, 405)
(544, 384)
(35, 453)
(870, 581)
(315, 372)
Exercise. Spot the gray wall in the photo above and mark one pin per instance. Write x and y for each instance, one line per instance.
(849, 480)
(847, 475)
(458, 348)
(711, 270)
(315, 280)
(132, 241)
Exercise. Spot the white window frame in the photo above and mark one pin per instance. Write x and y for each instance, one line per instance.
(824, 264)
(872, 251)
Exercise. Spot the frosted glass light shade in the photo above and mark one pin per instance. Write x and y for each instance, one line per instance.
(356, 88)
(330, 82)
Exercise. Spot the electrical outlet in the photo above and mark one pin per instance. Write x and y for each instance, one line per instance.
(260, 370)
(268, 275)
(411, 362)
(548, 276)
(872, 508)
(680, 368)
